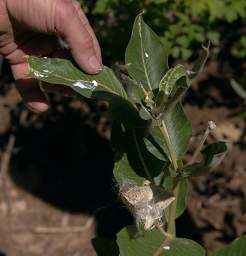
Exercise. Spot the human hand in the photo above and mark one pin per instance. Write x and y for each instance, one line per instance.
(31, 27)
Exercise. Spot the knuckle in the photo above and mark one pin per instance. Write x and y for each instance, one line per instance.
(77, 5)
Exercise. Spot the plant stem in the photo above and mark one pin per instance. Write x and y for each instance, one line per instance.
(198, 149)
(166, 242)
(211, 126)
(167, 139)
(164, 233)
(172, 214)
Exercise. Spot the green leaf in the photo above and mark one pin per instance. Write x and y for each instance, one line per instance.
(136, 160)
(124, 173)
(182, 197)
(236, 248)
(61, 71)
(179, 131)
(133, 90)
(239, 90)
(152, 243)
(146, 57)
(122, 110)
(182, 194)
(172, 86)
(144, 113)
(213, 154)
(104, 246)
(155, 149)
(168, 82)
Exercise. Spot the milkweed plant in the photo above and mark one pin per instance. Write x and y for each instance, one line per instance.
(150, 136)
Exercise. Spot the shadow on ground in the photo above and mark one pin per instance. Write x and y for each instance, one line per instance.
(65, 162)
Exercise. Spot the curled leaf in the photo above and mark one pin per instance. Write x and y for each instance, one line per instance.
(200, 62)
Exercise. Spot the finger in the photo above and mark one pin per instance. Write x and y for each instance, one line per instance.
(38, 45)
(32, 96)
(88, 28)
(61, 53)
(70, 26)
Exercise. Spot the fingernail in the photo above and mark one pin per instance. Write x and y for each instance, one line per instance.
(95, 64)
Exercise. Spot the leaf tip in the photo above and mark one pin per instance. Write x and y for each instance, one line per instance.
(142, 13)
(206, 45)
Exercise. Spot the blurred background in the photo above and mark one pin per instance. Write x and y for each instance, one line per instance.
(56, 168)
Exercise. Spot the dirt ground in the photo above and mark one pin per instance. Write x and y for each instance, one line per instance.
(60, 174)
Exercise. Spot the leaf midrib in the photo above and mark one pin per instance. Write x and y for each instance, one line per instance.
(142, 55)
(73, 80)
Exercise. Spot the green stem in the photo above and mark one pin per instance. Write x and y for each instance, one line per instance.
(172, 214)
(170, 148)
(211, 126)
(199, 147)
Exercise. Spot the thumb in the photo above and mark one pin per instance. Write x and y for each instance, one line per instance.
(73, 30)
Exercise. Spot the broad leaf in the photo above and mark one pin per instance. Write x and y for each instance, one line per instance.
(213, 154)
(122, 110)
(124, 173)
(146, 57)
(179, 131)
(236, 248)
(152, 243)
(140, 161)
(61, 71)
